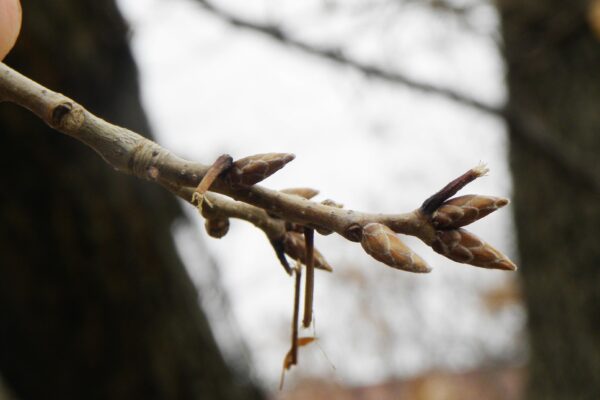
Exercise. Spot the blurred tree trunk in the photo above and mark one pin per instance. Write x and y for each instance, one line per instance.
(94, 302)
(553, 65)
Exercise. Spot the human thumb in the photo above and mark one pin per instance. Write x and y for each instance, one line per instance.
(10, 25)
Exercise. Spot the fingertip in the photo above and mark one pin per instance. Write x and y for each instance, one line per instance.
(10, 25)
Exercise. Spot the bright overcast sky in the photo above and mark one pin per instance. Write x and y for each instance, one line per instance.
(210, 89)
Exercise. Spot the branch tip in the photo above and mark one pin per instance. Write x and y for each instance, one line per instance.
(464, 210)
(248, 171)
(480, 170)
(436, 200)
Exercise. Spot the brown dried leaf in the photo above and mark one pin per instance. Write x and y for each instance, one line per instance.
(303, 341)
(248, 171)
(381, 243)
(464, 210)
(288, 360)
(462, 246)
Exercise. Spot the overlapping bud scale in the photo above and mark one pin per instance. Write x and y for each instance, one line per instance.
(248, 171)
(463, 210)
(462, 246)
(381, 243)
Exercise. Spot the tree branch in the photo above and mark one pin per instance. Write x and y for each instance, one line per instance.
(533, 134)
(131, 153)
(337, 55)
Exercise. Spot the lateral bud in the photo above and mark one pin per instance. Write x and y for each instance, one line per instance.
(248, 171)
(381, 243)
(217, 227)
(295, 247)
(464, 210)
(462, 246)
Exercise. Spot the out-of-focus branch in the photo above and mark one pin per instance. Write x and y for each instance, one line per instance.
(337, 55)
(131, 153)
(450, 8)
(529, 132)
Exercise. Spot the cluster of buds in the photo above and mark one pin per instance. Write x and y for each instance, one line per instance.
(447, 216)
(244, 173)
(438, 222)
(461, 245)
(444, 216)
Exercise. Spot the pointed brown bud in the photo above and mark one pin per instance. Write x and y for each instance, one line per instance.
(462, 246)
(381, 243)
(306, 193)
(295, 247)
(463, 210)
(248, 171)
(217, 227)
(435, 201)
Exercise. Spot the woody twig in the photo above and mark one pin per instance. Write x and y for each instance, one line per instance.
(128, 152)
(228, 189)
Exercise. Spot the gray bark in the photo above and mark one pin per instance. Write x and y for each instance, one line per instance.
(94, 301)
(553, 64)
